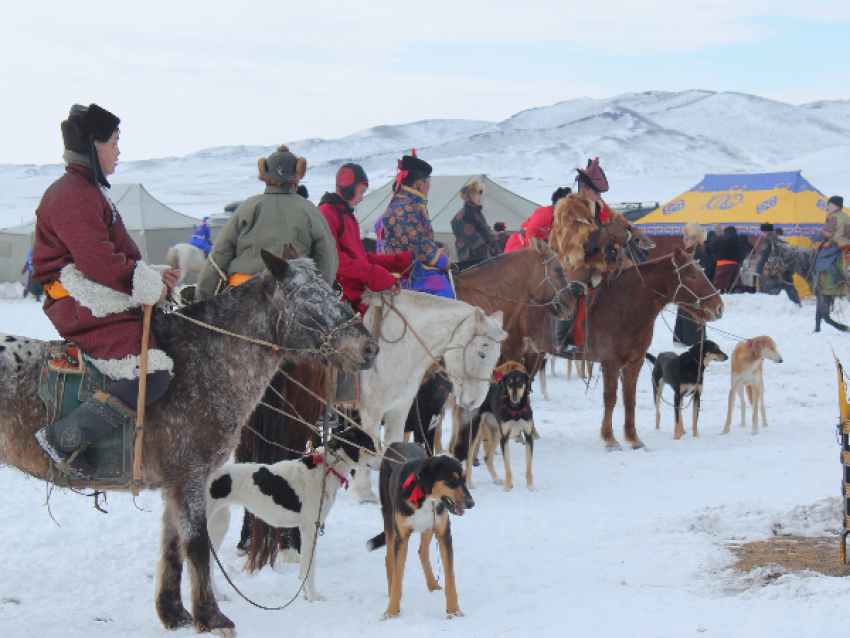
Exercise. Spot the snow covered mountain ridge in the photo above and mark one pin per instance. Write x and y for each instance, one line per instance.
(652, 145)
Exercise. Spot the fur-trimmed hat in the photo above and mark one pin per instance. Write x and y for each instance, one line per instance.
(694, 232)
(84, 121)
(838, 200)
(471, 189)
(282, 167)
(766, 227)
(562, 192)
(348, 178)
(593, 176)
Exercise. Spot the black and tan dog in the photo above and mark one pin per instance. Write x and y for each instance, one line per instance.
(417, 494)
(505, 413)
(684, 373)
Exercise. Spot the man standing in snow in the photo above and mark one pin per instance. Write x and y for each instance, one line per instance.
(405, 226)
(358, 269)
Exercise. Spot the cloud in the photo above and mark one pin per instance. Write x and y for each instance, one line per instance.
(185, 76)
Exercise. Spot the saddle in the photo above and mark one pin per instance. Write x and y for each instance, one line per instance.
(67, 379)
(835, 277)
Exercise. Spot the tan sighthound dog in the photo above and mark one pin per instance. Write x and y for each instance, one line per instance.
(747, 360)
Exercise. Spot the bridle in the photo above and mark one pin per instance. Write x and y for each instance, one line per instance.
(697, 303)
(387, 302)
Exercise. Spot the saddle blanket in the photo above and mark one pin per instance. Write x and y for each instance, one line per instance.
(832, 284)
(67, 379)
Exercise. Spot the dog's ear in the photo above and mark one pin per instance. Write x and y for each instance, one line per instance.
(426, 477)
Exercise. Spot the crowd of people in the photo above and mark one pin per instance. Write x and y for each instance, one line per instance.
(96, 282)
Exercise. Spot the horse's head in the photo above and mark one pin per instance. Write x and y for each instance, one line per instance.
(311, 317)
(552, 291)
(692, 290)
(472, 354)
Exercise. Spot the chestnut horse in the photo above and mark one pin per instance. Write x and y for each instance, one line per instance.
(529, 287)
(287, 314)
(623, 318)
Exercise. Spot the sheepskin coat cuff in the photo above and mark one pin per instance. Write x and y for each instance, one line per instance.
(103, 301)
(128, 367)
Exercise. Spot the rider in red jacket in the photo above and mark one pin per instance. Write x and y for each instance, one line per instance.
(358, 269)
(538, 225)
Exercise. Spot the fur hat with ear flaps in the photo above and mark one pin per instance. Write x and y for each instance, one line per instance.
(84, 126)
(471, 189)
(694, 231)
(282, 168)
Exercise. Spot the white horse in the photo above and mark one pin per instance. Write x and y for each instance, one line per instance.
(186, 258)
(466, 339)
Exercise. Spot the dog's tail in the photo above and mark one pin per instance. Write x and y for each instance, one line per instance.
(376, 543)
(750, 393)
(650, 358)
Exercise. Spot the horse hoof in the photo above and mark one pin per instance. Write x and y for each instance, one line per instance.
(640, 447)
(613, 447)
(367, 498)
(225, 632)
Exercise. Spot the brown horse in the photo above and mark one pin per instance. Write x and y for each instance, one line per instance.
(529, 287)
(623, 319)
(190, 431)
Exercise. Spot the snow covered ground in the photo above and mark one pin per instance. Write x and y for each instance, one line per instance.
(620, 544)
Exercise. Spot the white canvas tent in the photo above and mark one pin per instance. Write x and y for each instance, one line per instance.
(500, 205)
(153, 226)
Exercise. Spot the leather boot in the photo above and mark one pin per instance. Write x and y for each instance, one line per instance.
(92, 420)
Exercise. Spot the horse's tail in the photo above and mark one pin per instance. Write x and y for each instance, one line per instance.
(172, 258)
(650, 358)
(750, 393)
(376, 542)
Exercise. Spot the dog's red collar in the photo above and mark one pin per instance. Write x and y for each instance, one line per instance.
(417, 494)
(318, 459)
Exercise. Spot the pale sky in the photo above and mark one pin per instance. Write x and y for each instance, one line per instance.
(185, 76)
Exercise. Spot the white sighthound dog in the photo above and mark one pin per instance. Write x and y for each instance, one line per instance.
(747, 358)
(288, 493)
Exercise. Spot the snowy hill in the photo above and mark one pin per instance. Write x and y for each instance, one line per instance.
(653, 145)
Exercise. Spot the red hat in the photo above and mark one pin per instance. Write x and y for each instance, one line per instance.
(593, 176)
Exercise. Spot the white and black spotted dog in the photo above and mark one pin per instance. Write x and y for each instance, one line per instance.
(288, 493)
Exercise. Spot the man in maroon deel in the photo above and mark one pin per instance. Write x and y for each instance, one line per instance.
(358, 270)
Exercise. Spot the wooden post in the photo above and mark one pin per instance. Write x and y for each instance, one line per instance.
(140, 408)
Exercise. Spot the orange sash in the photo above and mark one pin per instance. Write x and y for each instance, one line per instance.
(238, 278)
(55, 290)
(726, 262)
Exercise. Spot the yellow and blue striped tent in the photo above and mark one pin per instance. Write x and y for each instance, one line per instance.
(786, 200)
